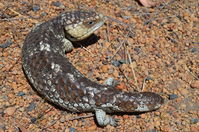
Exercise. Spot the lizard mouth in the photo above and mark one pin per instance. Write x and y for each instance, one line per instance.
(84, 30)
(91, 31)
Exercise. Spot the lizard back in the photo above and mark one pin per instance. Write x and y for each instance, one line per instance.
(54, 77)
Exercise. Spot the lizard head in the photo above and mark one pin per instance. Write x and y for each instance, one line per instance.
(83, 24)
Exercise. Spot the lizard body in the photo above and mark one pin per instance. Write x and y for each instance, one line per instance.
(54, 77)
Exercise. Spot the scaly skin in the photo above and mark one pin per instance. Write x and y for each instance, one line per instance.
(54, 77)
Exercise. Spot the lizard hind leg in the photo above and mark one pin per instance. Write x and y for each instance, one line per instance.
(103, 119)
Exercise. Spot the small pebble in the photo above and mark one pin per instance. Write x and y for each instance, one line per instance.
(126, 17)
(120, 86)
(91, 128)
(194, 120)
(35, 8)
(195, 84)
(122, 61)
(6, 44)
(1, 112)
(31, 107)
(151, 130)
(137, 50)
(20, 93)
(193, 50)
(125, 116)
(56, 3)
(105, 68)
(24, 2)
(44, 13)
(148, 78)
(72, 129)
(62, 120)
(2, 127)
(108, 57)
(118, 63)
(173, 96)
(184, 91)
(109, 81)
(105, 62)
(5, 97)
(138, 116)
(33, 120)
(10, 110)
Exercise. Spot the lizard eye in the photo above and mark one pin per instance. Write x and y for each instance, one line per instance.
(90, 22)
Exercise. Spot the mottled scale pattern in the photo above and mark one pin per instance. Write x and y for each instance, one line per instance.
(55, 78)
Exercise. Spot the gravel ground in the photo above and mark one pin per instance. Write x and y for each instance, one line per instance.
(143, 49)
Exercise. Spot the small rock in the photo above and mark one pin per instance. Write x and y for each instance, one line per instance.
(182, 106)
(72, 129)
(138, 116)
(56, 3)
(122, 61)
(35, 8)
(147, 3)
(31, 107)
(24, 3)
(138, 50)
(118, 63)
(125, 116)
(62, 120)
(44, 13)
(10, 110)
(1, 112)
(194, 129)
(105, 68)
(195, 84)
(105, 62)
(174, 49)
(194, 120)
(126, 17)
(121, 86)
(22, 128)
(184, 91)
(151, 130)
(148, 78)
(156, 123)
(2, 127)
(6, 44)
(67, 130)
(108, 57)
(109, 81)
(173, 96)
(91, 128)
(20, 93)
(33, 120)
(143, 116)
(193, 50)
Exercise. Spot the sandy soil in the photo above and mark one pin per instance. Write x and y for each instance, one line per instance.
(143, 49)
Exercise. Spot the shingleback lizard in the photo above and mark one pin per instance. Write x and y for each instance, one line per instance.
(55, 78)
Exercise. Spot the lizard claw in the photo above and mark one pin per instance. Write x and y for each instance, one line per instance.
(104, 119)
(113, 121)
